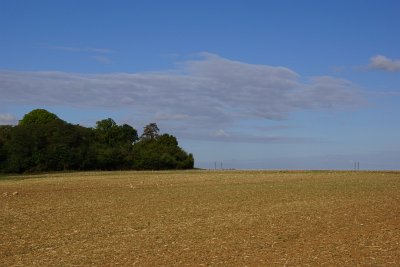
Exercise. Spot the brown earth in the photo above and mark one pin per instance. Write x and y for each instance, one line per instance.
(201, 218)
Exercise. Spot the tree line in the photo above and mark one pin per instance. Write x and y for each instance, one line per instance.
(42, 142)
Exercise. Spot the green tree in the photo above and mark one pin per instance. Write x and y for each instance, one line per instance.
(43, 142)
(38, 116)
(113, 145)
(51, 146)
(128, 134)
(108, 132)
(161, 153)
(5, 132)
(20, 149)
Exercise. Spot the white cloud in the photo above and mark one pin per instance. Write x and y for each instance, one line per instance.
(7, 119)
(212, 92)
(380, 62)
(220, 133)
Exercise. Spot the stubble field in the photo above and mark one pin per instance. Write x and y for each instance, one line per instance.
(201, 218)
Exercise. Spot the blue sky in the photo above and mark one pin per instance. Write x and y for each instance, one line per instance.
(252, 84)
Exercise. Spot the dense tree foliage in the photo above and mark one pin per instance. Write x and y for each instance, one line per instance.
(160, 153)
(38, 116)
(43, 142)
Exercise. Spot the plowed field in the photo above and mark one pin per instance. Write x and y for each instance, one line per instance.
(201, 218)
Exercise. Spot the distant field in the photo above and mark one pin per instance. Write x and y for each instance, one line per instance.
(201, 218)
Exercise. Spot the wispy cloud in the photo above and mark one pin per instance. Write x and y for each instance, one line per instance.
(7, 119)
(384, 93)
(221, 135)
(211, 92)
(81, 49)
(100, 55)
(380, 62)
(167, 117)
(102, 59)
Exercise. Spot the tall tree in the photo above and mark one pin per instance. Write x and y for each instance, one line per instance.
(150, 131)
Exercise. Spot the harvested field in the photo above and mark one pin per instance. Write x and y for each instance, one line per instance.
(201, 218)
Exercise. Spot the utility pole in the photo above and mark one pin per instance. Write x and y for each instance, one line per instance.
(215, 165)
(356, 165)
